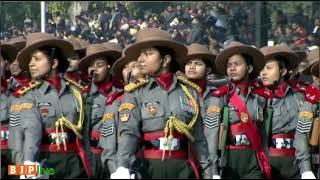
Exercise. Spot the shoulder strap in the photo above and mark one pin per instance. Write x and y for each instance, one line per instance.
(27, 87)
(136, 85)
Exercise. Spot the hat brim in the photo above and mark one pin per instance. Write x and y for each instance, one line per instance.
(307, 69)
(205, 57)
(133, 51)
(8, 52)
(24, 55)
(19, 45)
(111, 56)
(315, 70)
(119, 65)
(291, 58)
(224, 55)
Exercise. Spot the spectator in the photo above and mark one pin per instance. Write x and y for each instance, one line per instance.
(299, 33)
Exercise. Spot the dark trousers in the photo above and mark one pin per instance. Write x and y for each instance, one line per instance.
(241, 164)
(65, 165)
(284, 167)
(157, 169)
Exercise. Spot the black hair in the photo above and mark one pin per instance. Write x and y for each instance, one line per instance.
(283, 64)
(55, 53)
(174, 66)
(249, 61)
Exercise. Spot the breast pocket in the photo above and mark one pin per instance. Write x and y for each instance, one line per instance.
(97, 111)
(151, 110)
(46, 110)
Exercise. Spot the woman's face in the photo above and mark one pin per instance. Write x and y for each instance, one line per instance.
(39, 65)
(74, 62)
(237, 68)
(15, 69)
(101, 70)
(270, 73)
(150, 61)
(134, 69)
(195, 69)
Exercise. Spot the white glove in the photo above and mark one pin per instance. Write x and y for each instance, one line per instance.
(308, 175)
(122, 173)
(216, 177)
(27, 176)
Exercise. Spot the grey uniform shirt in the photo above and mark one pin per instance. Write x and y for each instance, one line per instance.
(104, 119)
(35, 111)
(286, 119)
(140, 120)
(213, 106)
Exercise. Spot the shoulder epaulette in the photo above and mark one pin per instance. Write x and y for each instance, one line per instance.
(27, 87)
(74, 83)
(312, 94)
(182, 78)
(113, 97)
(136, 84)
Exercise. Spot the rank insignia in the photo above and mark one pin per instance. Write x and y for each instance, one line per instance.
(244, 117)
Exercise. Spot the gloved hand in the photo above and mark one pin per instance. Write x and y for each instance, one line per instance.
(308, 175)
(216, 177)
(27, 176)
(122, 173)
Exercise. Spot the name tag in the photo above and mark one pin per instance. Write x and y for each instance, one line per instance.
(44, 104)
(169, 145)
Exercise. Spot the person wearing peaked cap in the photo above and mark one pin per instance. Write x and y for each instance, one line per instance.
(289, 118)
(18, 77)
(73, 72)
(8, 53)
(159, 115)
(102, 99)
(46, 115)
(232, 110)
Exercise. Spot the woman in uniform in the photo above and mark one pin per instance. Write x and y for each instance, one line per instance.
(101, 103)
(289, 116)
(46, 115)
(159, 116)
(8, 54)
(238, 110)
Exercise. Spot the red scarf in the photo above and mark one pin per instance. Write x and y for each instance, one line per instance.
(22, 79)
(279, 91)
(243, 86)
(72, 75)
(165, 80)
(202, 83)
(55, 82)
(4, 85)
(104, 87)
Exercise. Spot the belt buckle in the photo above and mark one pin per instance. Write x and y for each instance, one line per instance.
(167, 144)
(242, 140)
(4, 135)
(53, 137)
(285, 143)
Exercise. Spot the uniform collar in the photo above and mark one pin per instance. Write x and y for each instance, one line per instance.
(73, 75)
(152, 83)
(45, 87)
(165, 80)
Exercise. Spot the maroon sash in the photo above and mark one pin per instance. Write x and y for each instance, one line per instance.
(251, 132)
